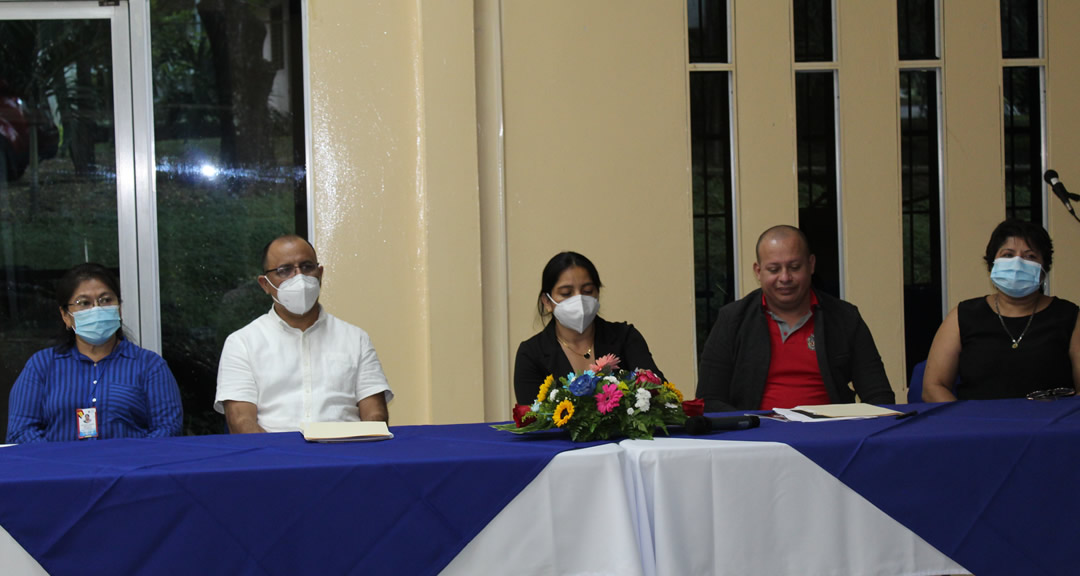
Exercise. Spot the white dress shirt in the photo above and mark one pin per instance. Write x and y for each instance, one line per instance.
(294, 376)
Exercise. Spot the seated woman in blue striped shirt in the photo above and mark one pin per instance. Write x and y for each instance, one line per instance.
(94, 384)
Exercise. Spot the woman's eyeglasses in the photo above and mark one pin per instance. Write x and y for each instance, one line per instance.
(86, 303)
(1052, 394)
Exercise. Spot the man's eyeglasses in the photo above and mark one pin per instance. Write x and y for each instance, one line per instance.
(85, 303)
(286, 272)
(1051, 394)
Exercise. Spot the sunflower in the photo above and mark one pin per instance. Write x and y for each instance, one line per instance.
(563, 412)
(545, 388)
(672, 387)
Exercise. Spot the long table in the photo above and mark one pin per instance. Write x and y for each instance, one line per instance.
(970, 486)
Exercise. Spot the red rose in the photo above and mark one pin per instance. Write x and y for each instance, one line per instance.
(523, 415)
(695, 407)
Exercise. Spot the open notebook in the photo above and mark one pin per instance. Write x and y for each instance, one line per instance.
(826, 412)
(345, 431)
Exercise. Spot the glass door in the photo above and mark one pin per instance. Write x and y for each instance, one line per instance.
(67, 168)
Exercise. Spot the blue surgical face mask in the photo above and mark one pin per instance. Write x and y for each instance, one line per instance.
(96, 325)
(1016, 277)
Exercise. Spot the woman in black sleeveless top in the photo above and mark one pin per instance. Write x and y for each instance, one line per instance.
(1014, 341)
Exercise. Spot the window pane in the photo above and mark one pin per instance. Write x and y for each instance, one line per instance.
(1020, 29)
(58, 194)
(917, 23)
(229, 138)
(714, 275)
(1023, 143)
(815, 110)
(920, 178)
(707, 21)
(813, 30)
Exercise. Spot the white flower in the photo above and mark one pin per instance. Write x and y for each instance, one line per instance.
(551, 397)
(611, 379)
(670, 405)
(630, 411)
(643, 399)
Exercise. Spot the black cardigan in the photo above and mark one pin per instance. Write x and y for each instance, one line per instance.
(735, 361)
(542, 355)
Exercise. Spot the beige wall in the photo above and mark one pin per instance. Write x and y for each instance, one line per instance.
(974, 162)
(870, 175)
(597, 151)
(459, 144)
(1063, 131)
(395, 192)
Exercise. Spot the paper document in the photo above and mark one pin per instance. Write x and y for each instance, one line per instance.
(832, 412)
(345, 431)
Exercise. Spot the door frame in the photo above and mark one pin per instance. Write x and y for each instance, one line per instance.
(133, 131)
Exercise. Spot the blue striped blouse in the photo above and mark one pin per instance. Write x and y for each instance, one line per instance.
(133, 390)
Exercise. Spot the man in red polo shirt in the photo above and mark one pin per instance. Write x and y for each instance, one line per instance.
(785, 344)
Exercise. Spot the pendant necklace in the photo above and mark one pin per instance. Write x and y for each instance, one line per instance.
(586, 355)
(1015, 341)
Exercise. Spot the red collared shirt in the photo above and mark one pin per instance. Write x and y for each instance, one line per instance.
(794, 375)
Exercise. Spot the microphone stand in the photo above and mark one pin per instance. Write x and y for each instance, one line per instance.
(1065, 197)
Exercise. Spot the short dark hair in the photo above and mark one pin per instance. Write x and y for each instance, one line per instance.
(69, 283)
(785, 230)
(266, 249)
(1031, 233)
(555, 267)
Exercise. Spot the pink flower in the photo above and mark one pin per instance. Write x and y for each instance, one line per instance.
(608, 400)
(605, 363)
(647, 377)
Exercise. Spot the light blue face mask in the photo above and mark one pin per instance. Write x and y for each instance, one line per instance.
(96, 325)
(1016, 277)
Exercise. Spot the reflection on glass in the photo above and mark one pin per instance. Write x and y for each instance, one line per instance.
(57, 175)
(1020, 29)
(815, 127)
(813, 25)
(1023, 143)
(917, 26)
(229, 138)
(711, 165)
(920, 183)
(708, 33)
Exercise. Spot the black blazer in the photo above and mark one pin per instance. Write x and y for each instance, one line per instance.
(542, 355)
(735, 361)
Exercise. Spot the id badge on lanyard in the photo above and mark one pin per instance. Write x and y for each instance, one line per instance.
(87, 423)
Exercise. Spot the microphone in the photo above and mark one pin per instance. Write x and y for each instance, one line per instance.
(703, 425)
(1051, 178)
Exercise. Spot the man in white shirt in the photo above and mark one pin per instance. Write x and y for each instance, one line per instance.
(297, 363)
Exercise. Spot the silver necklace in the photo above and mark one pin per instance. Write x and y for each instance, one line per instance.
(1015, 341)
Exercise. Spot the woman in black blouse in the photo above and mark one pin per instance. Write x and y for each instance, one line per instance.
(1014, 341)
(569, 291)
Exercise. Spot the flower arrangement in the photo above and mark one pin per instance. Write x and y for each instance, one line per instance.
(602, 402)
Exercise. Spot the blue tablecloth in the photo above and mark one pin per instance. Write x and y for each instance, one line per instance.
(264, 504)
(989, 483)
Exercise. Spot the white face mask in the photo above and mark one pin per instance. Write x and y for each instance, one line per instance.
(576, 312)
(297, 294)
